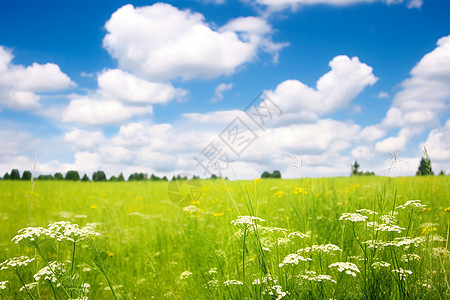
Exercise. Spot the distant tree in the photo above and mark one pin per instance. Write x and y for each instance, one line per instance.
(164, 179)
(72, 175)
(99, 176)
(6, 176)
(153, 177)
(355, 169)
(45, 177)
(85, 178)
(26, 175)
(113, 178)
(58, 176)
(275, 174)
(120, 177)
(424, 167)
(173, 178)
(137, 177)
(442, 172)
(15, 175)
(213, 176)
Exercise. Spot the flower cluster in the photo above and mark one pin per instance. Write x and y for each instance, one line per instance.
(412, 204)
(348, 267)
(275, 291)
(33, 235)
(312, 276)
(292, 259)
(327, 248)
(246, 221)
(50, 272)
(380, 264)
(3, 285)
(410, 257)
(232, 282)
(185, 275)
(402, 273)
(15, 263)
(367, 211)
(298, 234)
(71, 232)
(353, 217)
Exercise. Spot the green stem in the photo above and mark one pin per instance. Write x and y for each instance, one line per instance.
(24, 285)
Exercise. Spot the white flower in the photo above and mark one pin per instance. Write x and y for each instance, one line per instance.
(85, 287)
(32, 235)
(50, 272)
(367, 211)
(412, 204)
(353, 217)
(65, 230)
(246, 221)
(348, 267)
(3, 285)
(390, 228)
(293, 258)
(274, 229)
(192, 209)
(28, 286)
(298, 234)
(283, 241)
(212, 284)
(232, 282)
(402, 273)
(410, 257)
(312, 276)
(328, 248)
(389, 219)
(380, 264)
(275, 290)
(15, 262)
(185, 275)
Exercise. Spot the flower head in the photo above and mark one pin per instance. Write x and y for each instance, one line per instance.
(411, 204)
(348, 267)
(15, 263)
(293, 259)
(246, 221)
(353, 217)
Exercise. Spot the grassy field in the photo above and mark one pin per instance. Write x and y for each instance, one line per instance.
(302, 239)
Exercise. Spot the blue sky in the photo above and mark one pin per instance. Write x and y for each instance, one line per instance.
(153, 87)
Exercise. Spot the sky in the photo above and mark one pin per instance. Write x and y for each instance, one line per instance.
(231, 88)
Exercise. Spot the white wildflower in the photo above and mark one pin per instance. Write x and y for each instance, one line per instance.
(16, 262)
(402, 273)
(32, 235)
(185, 275)
(212, 271)
(389, 228)
(292, 259)
(312, 276)
(66, 231)
(232, 282)
(283, 241)
(412, 204)
(410, 257)
(367, 211)
(3, 285)
(298, 234)
(212, 284)
(28, 286)
(274, 229)
(51, 272)
(246, 221)
(275, 291)
(327, 248)
(380, 264)
(348, 267)
(353, 217)
(85, 288)
(388, 219)
(192, 209)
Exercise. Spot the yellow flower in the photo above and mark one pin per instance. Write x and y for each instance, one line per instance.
(229, 209)
(218, 214)
(298, 190)
(428, 229)
(256, 180)
(195, 202)
(279, 194)
(109, 254)
(93, 206)
(447, 209)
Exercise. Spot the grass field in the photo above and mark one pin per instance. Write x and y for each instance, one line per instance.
(302, 239)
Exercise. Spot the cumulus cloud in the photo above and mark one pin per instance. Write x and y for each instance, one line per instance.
(438, 144)
(277, 5)
(161, 42)
(20, 86)
(219, 90)
(83, 139)
(334, 90)
(424, 96)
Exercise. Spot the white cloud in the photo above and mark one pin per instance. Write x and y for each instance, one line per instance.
(364, 152)
(399, 142)
(372, 133)
(383, 94)
(83, 139)
(19, 85)
(277, 5)
(92, 111)
(334, 90)
(426, 93)
(161, 42)
(438, 144)
(219, 90)
(123, 86)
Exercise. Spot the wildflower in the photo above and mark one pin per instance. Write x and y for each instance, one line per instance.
(232, 282)
(298, 190)
(66, 231)
(447, 209)
(212, 284)
(312, 276)
(246, 221)
(15, 262)
(275, 290)
(380, 264)
(185, 275)
(283, 241)
(402, 273)
(389, 219)
(328, 248)
(3, 285)
(85, 288)
(51, 272)
(32, 235)
(269, 279)
(191, 209)
(274, 229)
(279, 194)
(412, 204)
(367, 211)
(292, 259)
(349, 268)
(218, 214)
(93, 206)
(28, 286)
(353, 217)
(410, 257)
(428, 229)
(298, 234)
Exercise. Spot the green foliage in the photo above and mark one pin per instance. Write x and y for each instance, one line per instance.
(26, 175)
(6, 176)
(275, 174)
(99, 176)
(85, 178)
(45, 177)
(356, 172)
(137, 177)
(72, 175)
(120, 177)
(424, 167)
(15, 175)
(442, 173)
(58, 176)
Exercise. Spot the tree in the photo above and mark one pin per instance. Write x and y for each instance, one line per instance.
(26, 175)
(424, 167)
(355, 169)
(15, 175)
(120, 177)
(72, 175)
(85, 178)
(99, 176)
(45, 177)
(442, 172)
(6, 176)
(113, 178)
(58, 176)
(275, 174)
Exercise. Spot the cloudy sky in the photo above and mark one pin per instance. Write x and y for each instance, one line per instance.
(238, 87)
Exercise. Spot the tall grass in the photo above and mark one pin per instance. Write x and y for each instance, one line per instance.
(151, 248)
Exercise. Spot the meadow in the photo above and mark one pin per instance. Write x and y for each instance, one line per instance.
(324, 238)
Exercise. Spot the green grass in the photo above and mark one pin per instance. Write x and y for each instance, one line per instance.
(147, 241)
